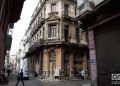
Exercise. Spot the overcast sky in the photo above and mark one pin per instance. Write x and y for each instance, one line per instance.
(22, 24)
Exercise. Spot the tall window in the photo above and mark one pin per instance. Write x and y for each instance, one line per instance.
(53, 7)
(66, 9)
(52, 55)
(52, 32)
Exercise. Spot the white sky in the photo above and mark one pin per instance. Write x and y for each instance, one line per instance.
(22, 24)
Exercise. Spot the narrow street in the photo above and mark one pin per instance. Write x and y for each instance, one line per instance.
(31, 82)
(47, 82)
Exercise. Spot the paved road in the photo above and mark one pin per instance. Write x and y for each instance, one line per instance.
(47, 82)
(31, 82)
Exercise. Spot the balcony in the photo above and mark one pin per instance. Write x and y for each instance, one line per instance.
(83, 42)
(38, 8)
(50, 41)
(86, 11)
(37, 26)
(68, 15)
(53, 13)
(35, 45)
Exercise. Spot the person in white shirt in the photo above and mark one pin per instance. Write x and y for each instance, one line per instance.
(82, 74)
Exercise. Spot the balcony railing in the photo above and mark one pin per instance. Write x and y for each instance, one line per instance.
(53, 13)
(39, 7)
(68, 13)
(36, 27)
(52, 40)
(84, 42)
(40, 42)
(36, 45)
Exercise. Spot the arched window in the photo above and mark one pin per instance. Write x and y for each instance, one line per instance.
(52, 55)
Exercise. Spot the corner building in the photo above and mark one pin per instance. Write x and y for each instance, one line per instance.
(56, 45)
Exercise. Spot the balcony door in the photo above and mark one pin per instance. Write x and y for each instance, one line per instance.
(66, 9)
(66, 31)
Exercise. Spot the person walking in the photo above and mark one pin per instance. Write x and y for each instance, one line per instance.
(82, 74)
(35, 74)
(20, 78)
(8, 71)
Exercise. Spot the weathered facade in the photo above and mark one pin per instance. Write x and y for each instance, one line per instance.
(57, 47)
(103, 25)
(10, 11)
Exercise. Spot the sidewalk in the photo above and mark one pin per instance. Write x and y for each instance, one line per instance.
(77, 81)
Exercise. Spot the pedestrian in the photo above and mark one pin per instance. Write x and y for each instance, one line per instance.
(8, 71)
(35, 74)
(20, 78)
(7, 78)
(3, 78)
(82, 73)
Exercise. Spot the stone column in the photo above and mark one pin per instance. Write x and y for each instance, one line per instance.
(71, 66)
(57, 30)
(45, 63)
(85, 61)
(85, 65)
(33, 64)
(40, 62)
(59, 61)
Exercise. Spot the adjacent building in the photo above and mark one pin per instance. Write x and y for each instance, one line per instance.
(57, 47)
(8, 45)
(102, 21)
(10, 11)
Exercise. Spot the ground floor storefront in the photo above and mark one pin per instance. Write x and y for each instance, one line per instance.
(59, 62)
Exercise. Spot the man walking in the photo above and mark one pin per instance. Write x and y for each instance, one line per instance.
(8, 71)
(20, 78)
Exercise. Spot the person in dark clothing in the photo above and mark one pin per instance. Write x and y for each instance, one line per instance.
(8, 71)
(3, 78)
(35, 74)
(20, 78)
